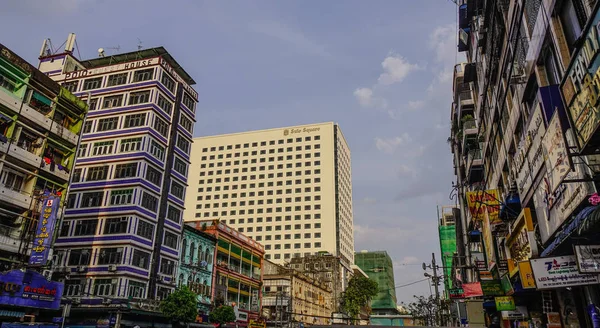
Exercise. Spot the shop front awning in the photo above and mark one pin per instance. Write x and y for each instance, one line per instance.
(583, 222)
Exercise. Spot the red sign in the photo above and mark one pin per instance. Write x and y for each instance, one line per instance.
(472, 289)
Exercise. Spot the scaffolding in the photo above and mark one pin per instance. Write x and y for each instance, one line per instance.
(447, 230)
(378, 266)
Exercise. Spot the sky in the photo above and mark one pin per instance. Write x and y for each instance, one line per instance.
(380, 69)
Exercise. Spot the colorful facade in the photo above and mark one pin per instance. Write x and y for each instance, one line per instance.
(238, 272)
(196, 266)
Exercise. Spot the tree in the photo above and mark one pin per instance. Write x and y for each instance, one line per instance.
(222, 314)
(180, 306)
(359, 293)
(424, 309)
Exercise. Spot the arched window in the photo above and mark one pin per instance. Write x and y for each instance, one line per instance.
(183, 250)
(200, 255)
(205, 288)
(192, 247)
(207, 256)
(181, 280)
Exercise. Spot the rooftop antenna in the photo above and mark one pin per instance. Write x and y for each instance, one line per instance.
(70, 45)
(101, 52)
(139, 46)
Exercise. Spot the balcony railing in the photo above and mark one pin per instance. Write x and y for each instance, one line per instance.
(10, 238)
(15, 197)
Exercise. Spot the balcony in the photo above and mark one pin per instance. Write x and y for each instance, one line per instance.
(53, 169)
(35, 116)
(475, 166)
(465, 99)
(20, 151)
(63, 132)
(9, 101)
(14, 197)
(10, 239)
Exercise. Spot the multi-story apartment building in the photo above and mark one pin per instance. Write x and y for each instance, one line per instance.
(238, 272)
(40, 125)
(292, 296)
(525, 150)
(287, 188)
(196, 266)
(120, 237)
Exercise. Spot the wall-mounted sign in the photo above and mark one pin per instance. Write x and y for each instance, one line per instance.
(492, 288)
(557, 272)
(484, 201)
(553, 208)
(456, 293)
(112, 68)
(558, 163)
(29, 289)
(472, 289)
(45, 231)
(478, 259)
(588, 258)
(505, 303)
(488, 242)
(529, 157)
(507, 285)
(287, 132)
(526, 275)
(580, 87)
(519, 242)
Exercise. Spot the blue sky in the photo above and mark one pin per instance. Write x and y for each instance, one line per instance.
(381, 69)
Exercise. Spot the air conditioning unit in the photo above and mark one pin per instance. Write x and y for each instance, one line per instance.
(81, 268)
(107, 302)
(112, 268)
(76, 300)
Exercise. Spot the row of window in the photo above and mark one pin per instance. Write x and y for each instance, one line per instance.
(264, 152)
(254, 169)
(258, 211)
(105, 287)
(125, 145)
(120, 255)
(279, 183)
(129, 121)
(112, 197)
(287, 256)
(195, 254)
(288, 191)
(108, 226)
(262, 144)
(286, 227)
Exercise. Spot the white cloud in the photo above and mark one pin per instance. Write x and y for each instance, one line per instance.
(406, 170)
(417, 104)
(364, 96)
(395, 69)
(389, 145)
(288, 35)
(443, 41)
(410, 260)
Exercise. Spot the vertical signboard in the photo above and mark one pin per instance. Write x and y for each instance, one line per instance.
(526, 275)
(558, 163)
(44, 231)
(529, 157)
(488, 242)
(580, 89)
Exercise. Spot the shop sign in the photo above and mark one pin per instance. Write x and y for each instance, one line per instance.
(456, 293)
(484, 201)
(519, 245)
(486, 275)
(479, 259)
(488, 241)
(579, 88)
(553, 208)
(558, 163)
(112, 68)
(507, 285)
(256, 324)
(492, 288)
(472, 289)
(529, 157)
(505, 303)
(29, 289)
(45, 231)
(588, 258)
(526, 275)
(558, 272)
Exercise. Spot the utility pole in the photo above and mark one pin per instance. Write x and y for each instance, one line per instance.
(436, 281)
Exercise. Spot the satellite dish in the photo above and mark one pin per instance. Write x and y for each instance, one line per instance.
(424, 266)
(101, 52)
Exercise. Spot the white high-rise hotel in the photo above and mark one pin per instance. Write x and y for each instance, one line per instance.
(288, 188)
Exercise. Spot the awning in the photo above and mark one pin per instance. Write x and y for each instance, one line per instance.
(42, 98)
(15, 314)
(579, 221)
(511, 207)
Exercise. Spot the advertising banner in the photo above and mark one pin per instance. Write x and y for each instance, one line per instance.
(580, 89)
(456, 293)
(521, 244)
(588, 258)
(472, 289)
(526, 275)
(558, 163)
(482, 201)
(29, 289)
(45, 231)
(557, 272)
(529, 157)
(488, 242)
(505, 303)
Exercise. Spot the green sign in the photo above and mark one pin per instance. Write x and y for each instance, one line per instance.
(492, 288)
(505, 303)
(456, 293)
(507, 285)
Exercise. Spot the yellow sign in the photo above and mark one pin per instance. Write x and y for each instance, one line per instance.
(257, 324)
(488, 241)
(526, 273)
(484, 201)
(505, 303)
(520, 247)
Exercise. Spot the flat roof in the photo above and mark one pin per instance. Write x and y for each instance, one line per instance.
(265, 130)
(140, 54)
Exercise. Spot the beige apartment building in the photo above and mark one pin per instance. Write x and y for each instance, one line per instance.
(289, 188)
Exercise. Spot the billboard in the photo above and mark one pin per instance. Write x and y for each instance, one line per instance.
(558, 163)
(45, 231)
(529, 158)
(558, 272)
(29, 289)
(482, 201)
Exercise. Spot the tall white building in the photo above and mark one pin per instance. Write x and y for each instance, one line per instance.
(288, 188)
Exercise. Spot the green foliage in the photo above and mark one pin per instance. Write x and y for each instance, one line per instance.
(180, 306)
(222, 314)
(359, 293)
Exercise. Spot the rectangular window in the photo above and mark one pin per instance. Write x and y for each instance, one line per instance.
(134, 120)
(186, 123)
(145, 229)
(128, 170)
(143, 75)
(167, 81)
(116, 79)
(71, 86)
(107, 124)
(112, 101)
(140, 259)
(131, 144)
(173, 214)
(80, 256)
(102, 148)
(149, 202)
(188, 101)
(73, 287)
(161, 126)
(97, 173)
(93, 83)
(93, 104)
(180, 166)
(136, 289)
(139, 97)
(104, 287)
(177, 190)
(170, 240)
(86, 227)
(87, 127)
(116, 225)
(76, 176)
(121, 197)
(92, 199)
(167, 266)
(183, 144)
(164, 104)
(113, 255)
(157, 151)
(153, 175)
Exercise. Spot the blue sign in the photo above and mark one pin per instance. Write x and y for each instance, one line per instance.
(45, 231)
(30, 289)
